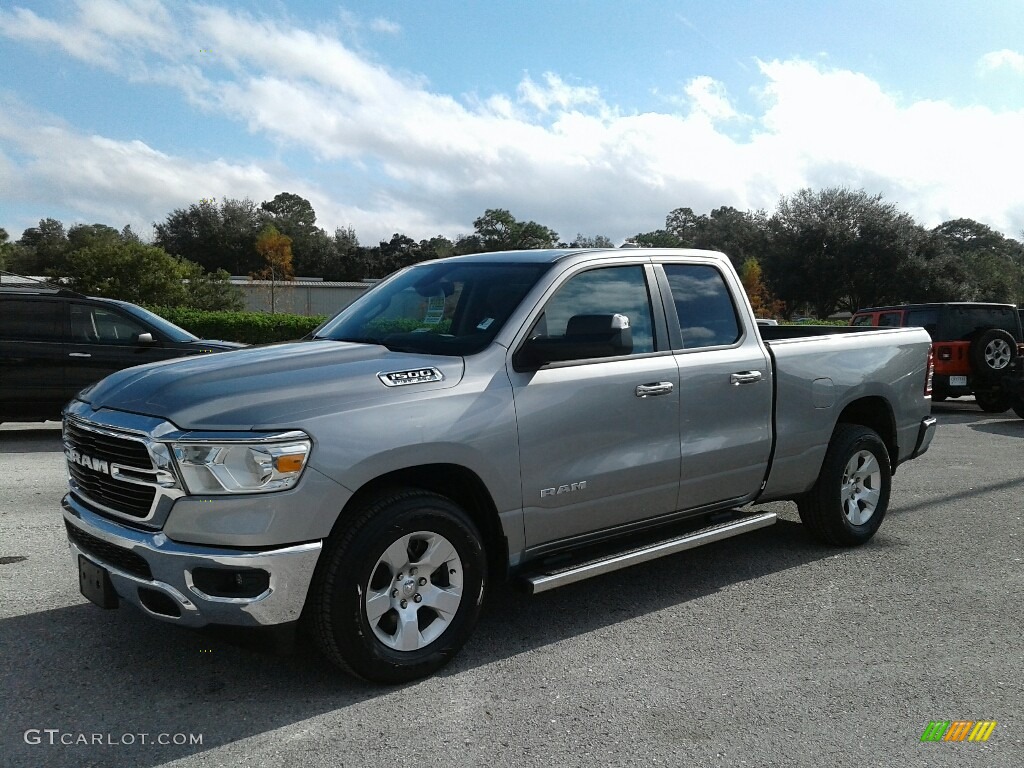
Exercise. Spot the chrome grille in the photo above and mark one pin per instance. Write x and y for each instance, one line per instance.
(130, 499)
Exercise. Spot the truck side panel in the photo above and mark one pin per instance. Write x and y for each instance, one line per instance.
(819, 377)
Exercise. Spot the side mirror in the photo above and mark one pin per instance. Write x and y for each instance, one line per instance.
(586, 336)
(144, 338)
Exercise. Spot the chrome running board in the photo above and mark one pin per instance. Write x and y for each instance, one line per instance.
(542, 582)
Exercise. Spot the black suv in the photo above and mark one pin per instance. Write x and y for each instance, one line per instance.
(54, 342)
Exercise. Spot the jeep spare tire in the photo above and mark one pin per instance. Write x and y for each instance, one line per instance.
(992, 352)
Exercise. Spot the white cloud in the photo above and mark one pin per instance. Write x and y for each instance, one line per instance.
(709, 96)
(1003, 59)
(554, 151)
(385, 26)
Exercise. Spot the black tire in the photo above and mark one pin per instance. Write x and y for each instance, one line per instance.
(830, 510)
(1018, 408)
(938, 398)
(359, 567)
(992, 402)
(991, 353)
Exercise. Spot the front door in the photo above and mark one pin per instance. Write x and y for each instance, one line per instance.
(598, 438)
(102, 341)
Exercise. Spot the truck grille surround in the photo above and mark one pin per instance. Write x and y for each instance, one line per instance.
(127, 498)
(118, 474)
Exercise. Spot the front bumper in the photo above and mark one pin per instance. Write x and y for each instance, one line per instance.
(144, 566)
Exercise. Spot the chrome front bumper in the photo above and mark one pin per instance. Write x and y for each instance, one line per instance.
(170, 566)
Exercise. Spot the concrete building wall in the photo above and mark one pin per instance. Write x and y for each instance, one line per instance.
(299, 297)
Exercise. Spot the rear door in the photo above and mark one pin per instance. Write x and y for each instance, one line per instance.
(725, 388)
(599, 438)
(31, 358)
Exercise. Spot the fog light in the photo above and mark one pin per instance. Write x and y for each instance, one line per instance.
(231, 582)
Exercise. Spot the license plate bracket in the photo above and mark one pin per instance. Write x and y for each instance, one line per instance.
(94, 582)
(958, 381)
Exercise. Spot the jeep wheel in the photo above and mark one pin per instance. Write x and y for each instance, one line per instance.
(992, 352)
(1018, 408)
(848, 502)
(992, 402)
(400, 589)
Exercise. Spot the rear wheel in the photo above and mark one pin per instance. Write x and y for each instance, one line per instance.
(848, 502)
(992, 402)
(400, 590)
(1018, 408)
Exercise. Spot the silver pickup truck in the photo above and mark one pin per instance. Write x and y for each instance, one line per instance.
(538, 416)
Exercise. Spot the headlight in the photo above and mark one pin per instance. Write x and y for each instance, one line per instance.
(240, 467)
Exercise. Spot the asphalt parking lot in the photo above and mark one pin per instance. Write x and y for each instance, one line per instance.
(763, 650)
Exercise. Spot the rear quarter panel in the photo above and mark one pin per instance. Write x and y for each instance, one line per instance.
(817, 378)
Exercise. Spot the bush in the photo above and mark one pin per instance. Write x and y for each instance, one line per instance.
(246, 327)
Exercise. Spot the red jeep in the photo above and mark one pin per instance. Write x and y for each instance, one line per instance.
(973, 345)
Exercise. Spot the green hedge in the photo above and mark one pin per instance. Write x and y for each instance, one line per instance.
(246, 327)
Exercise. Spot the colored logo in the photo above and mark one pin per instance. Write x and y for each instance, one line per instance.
(958, 730)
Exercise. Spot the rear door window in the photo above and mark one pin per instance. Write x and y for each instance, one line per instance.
(890, 319)
(707, 315)
(31, 320)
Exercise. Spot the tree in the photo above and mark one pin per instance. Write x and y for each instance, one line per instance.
(498, 230)
(598, 241)
(145, 274)
(276, 251)
(294, 216)
(840, 248)
(659, 238)
(761, 300)
(214, 235)
(394, 254)
(43, 248)
(738, 234)
(970, 261)
(348, 260)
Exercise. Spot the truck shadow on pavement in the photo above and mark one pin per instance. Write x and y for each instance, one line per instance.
(83, 671)
(30, 440)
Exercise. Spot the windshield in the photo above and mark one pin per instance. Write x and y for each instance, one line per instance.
(166, 327)
(437, 308)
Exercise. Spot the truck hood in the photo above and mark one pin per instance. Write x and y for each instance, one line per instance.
(272, 386)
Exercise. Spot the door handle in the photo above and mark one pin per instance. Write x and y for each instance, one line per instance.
(79, 354)
(745, 377)
(651, 390)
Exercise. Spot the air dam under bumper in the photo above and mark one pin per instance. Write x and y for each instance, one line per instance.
(170, 568)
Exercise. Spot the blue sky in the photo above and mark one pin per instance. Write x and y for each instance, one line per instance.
(589, 117)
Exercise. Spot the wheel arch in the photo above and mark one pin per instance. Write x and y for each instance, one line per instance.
(875, 413)
(453, 481)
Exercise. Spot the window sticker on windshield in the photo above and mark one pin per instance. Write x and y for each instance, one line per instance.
(435, 310)
(485, 324)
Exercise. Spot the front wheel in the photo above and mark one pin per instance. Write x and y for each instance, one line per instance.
(400, 589)
(848, 502)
